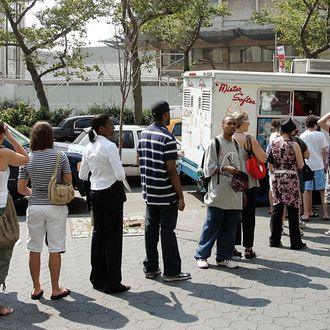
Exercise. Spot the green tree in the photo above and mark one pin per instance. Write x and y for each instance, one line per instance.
(304, 24)
(132, 15)
(60, 27)
(181, 29)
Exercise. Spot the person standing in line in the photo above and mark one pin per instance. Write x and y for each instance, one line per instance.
(273, 136)
(224, 205)
(162, 194)
(42, 216)
(249, 209)
(323, 123)
(285, 159)
(101, 159)
(16, 157)
(317, 146)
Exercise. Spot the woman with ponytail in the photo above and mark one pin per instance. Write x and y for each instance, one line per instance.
(101, 160)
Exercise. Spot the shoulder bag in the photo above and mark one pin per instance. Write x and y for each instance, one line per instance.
(59, 193)
(254, 168)
(9, 229)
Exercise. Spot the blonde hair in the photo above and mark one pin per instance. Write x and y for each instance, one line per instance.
(240, 117)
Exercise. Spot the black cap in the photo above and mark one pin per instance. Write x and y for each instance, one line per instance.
(159, 108)
(287, 125)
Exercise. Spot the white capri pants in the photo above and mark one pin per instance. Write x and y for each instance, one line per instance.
(46, 218)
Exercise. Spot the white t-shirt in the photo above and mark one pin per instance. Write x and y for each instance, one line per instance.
(315, 142)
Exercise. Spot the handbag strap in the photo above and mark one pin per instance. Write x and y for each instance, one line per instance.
(249, 146)
(56, 165)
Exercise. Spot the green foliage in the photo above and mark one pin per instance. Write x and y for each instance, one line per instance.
(114, 112)
(304, 24)
(181, 29)
(57, 115)
(23, 116)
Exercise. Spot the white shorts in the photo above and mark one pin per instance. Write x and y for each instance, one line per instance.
(46, 218)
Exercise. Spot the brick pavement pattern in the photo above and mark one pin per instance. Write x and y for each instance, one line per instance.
(280, 289)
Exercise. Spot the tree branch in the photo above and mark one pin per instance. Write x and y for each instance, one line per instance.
(23, 13)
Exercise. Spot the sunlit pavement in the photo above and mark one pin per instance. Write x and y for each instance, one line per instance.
(280, 289)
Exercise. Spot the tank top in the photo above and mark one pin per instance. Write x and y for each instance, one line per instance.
(4, 175)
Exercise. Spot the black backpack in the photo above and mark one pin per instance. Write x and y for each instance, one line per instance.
(203, 182)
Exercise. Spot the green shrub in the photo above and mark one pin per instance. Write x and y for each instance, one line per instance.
(146, 117)
(57, 115)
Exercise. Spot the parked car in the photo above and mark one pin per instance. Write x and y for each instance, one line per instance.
(175, 127)
(71, 127)
(13, 176)
(75, 149)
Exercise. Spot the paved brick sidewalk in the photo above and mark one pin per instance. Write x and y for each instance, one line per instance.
(281, 289)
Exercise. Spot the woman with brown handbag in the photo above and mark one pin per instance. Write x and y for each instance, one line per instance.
(13, 158)
(42, 215)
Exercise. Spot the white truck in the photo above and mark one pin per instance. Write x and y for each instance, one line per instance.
(208, 96)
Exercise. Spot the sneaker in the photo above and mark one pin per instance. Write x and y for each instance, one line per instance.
(302, 224)
(202, 263)
(228, 263)
(151, 275)
(179, 277)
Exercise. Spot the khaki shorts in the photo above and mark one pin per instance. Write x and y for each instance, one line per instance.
(46, 218)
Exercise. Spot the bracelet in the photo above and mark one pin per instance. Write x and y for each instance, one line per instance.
(222, 169)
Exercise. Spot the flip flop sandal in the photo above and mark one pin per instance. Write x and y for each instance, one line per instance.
(326, 219)
(249, 254)
(4, 311)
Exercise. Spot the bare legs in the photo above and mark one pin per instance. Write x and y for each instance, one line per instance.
(308, 207)
(54, 268)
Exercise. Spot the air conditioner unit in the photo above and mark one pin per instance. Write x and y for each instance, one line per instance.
(310, 65)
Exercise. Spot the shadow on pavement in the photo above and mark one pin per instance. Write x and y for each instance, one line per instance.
(25, 314)
(159, 305)
(284, 274)
(226, 295)
(85, 311)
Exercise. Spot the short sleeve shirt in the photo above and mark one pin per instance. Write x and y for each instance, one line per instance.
(39, 170)
(156, 146)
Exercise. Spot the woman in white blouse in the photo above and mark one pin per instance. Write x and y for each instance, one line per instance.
(101, 159)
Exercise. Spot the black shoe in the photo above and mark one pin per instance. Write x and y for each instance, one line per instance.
(299, 247)
(118, 289)
(179, 277)
(151, 275)
(275, 244)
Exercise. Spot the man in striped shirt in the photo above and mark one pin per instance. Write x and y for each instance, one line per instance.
(163, 195)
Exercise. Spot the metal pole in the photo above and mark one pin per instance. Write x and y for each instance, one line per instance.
(275, 53)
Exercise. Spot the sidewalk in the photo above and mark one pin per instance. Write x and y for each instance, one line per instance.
(281, 289)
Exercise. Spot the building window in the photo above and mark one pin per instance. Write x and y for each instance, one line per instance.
(267, 53)
(251, 54)
(172, 57)
(214, 55)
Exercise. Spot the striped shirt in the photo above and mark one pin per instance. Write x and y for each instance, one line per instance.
(156, 146)
(39, 170)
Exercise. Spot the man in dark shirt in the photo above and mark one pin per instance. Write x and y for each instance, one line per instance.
(163, 195)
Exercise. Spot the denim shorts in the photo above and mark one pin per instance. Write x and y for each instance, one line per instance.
(318, 183)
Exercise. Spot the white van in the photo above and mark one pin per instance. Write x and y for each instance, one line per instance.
(208, 96)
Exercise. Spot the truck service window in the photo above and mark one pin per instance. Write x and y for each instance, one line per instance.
(306, 103)
(273, 102)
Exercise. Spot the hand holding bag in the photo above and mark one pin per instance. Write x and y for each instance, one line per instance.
(59, 193)
(254, 168)
(9, 229)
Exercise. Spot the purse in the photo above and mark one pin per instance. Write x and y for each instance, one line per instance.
(254, 168)
(59, 193)
(308, 174)
(9, 229)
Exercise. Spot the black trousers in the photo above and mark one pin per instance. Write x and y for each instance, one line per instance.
(162, 219)
(276, 225)
(107, 240)
(248, 222)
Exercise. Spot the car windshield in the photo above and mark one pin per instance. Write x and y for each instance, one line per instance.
(19, 137)
(83, 134)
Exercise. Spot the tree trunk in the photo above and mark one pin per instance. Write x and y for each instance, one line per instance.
(186, 64)
(137, 88)
(38, 86)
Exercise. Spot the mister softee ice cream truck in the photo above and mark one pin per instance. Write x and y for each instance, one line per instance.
(208, 96)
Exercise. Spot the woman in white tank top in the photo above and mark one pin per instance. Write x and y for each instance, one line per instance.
(14, 158)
